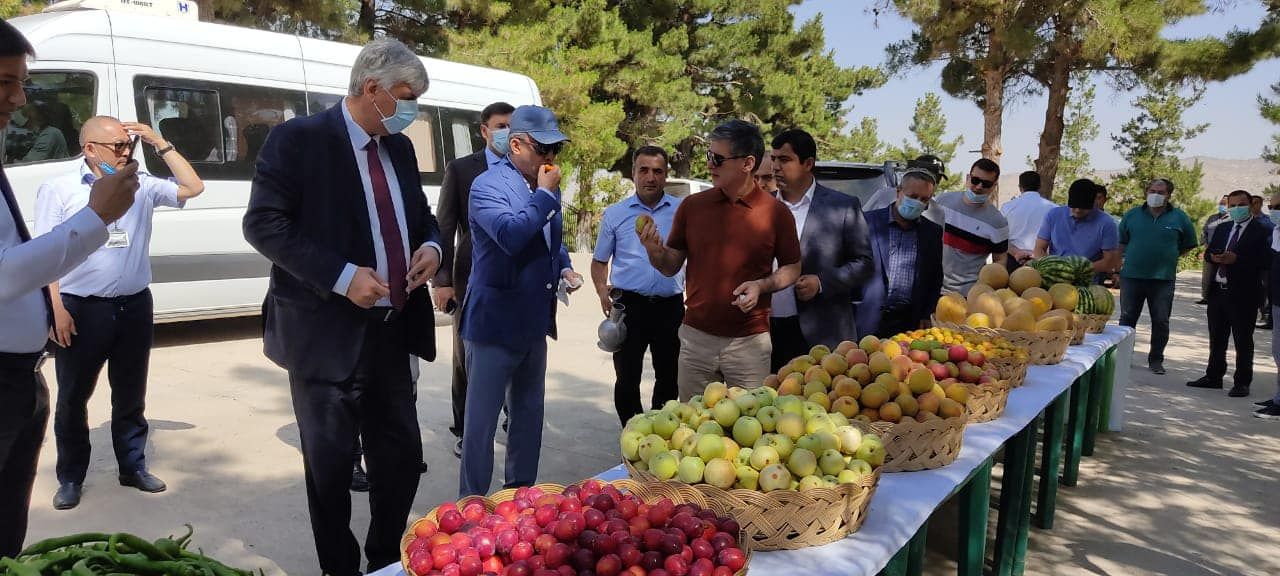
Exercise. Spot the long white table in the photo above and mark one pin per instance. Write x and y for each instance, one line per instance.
(904, 501)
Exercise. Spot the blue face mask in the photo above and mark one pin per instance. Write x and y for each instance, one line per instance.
(910, 208)
(976, 198)
(406, 112)
(1222, 208)
(1238, 213)
(502, 141)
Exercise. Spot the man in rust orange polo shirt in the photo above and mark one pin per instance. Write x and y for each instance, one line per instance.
(729, 236)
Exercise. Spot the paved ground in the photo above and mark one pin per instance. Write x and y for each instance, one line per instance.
(1189, 488)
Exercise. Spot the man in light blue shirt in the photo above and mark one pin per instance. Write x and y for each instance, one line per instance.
(102, 309)
(27, 266)
(1080, 229)
(653, 304)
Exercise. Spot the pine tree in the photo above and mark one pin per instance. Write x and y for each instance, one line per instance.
(929, 127)
(861, 144)
(1079, 129)
(1270, 110)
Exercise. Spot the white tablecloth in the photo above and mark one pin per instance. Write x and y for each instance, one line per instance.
(915, 495)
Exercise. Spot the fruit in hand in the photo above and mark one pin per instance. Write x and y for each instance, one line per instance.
(642, 221)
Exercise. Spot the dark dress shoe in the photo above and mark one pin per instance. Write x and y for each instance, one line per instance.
(1157, 368)
(68, 496)
(359, 480)
(143, 481)
(1202, 301)
(1266, 403)
(457, 449)
(422, 467)
(1205, 382)
(1238, 391)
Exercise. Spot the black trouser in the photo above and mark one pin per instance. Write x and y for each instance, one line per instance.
(24, 412)
(895, 321)
(459, 386)
(788, 341)
(376, 402)
(1234, 320)
(653, 324)
(116, 332)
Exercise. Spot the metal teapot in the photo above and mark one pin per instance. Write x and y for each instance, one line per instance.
(612, 331)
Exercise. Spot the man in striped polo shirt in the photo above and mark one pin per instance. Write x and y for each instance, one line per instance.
(974, 230)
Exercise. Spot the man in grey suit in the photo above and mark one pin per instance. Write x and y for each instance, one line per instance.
(835, 251)
(450, 283)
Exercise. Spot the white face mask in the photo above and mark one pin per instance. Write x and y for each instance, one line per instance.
(1155, 200)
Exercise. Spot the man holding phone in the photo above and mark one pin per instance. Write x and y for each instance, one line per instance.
(102, 309)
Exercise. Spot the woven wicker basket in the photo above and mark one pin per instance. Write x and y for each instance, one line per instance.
(1011, 370)
(987, 401)
(1093, 323)
(1077, 333)
(786, 519)
(911, 445)
(1042, 347)
(646, 492)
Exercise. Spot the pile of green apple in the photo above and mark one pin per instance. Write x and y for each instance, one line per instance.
(750, 439)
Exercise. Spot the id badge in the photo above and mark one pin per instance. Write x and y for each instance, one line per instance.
(117, 238)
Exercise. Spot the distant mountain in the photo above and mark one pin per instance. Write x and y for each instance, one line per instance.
(1221, 175)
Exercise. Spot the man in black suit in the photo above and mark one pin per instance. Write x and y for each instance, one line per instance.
(835, 255)
(450, 284)
(337, 206)
(908, 261)
(1241, 249)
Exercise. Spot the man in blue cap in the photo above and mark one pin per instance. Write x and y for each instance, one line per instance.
(518, 262)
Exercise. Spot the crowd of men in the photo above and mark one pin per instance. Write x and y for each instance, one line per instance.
(726, 284)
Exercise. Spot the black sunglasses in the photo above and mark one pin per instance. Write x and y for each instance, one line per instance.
(544, 149)
(120, 148)
(976, 181)
(718, 160)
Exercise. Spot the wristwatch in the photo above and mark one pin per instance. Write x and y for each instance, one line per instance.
(165, 150)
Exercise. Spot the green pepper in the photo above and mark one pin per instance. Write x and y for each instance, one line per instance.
(62, 542)
(81, 568)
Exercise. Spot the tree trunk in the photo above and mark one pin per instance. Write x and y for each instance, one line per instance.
(365, 23)
(993, 104)
(1059, 84)
(682, 162)
(584, 199)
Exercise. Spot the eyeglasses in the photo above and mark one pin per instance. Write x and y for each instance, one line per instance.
(976, 181)
(718, 160)
(544, 149)
(120, 148)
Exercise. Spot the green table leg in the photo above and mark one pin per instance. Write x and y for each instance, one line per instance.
(1024, 515)
(898, 564)
(1108, 375)
(975, 501)
(915, 554)
(1051, 457)
(1075, 430)
(1095, 407)
(1014, 491)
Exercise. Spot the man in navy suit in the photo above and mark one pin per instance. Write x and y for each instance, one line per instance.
(908, 261)
(518, 260)
(835, 255)
(337, 206)
(1241, 247)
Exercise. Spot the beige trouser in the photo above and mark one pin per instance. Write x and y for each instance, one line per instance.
(707, 358)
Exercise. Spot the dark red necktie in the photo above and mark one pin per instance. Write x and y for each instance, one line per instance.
(397, 265)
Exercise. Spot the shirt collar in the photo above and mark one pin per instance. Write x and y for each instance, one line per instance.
(664, 201)
(748, 200)
(804, 200)
(86, 175)
(359, 138)
(490, 156)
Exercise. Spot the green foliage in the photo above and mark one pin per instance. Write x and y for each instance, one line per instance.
(1270, 110)
(583, 214)
(1079, 129)
(324, 19)
(861, 144)
(929, 127)
(1192, 260)
(15, 8)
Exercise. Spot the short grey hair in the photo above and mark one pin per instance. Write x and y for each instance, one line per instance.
(1168, 184)
(388, 62)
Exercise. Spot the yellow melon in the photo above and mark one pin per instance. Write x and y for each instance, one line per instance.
(1040, 300)
(994, 275)
(978, 290)
(1020, 321)
(989, 304)
(1015, 304)
(951, 308)
(1051, 324)
(1004, 294)
(978, 320)
(1023, 278)
(1065, 296)
(1066, 315)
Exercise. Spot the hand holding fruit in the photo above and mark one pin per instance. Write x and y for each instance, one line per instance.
(549, 177)
(648, 232)
(807, 287)
(747, 295)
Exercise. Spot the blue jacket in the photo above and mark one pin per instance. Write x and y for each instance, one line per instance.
(928, 284)
(307, 214)
(835, 248)
(511, 295)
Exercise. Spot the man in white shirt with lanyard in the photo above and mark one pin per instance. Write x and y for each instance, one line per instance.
(102, 309)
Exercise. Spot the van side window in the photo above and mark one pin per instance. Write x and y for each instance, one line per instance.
(218, 126)
(464, 132)
(48, 127)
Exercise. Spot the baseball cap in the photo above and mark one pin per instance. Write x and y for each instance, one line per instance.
(539, 123)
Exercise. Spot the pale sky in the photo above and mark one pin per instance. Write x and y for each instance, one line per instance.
(855, 36)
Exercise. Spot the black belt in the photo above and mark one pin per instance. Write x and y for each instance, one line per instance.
(627, 294)
(113, 299)
(382, 314)
(28, 362)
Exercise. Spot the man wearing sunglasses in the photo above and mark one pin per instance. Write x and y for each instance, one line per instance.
(730, 235)
(518, 261)
(835, 253)
(102, 310)
(975, 231)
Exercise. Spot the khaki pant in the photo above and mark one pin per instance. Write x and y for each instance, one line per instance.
(707, 358)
